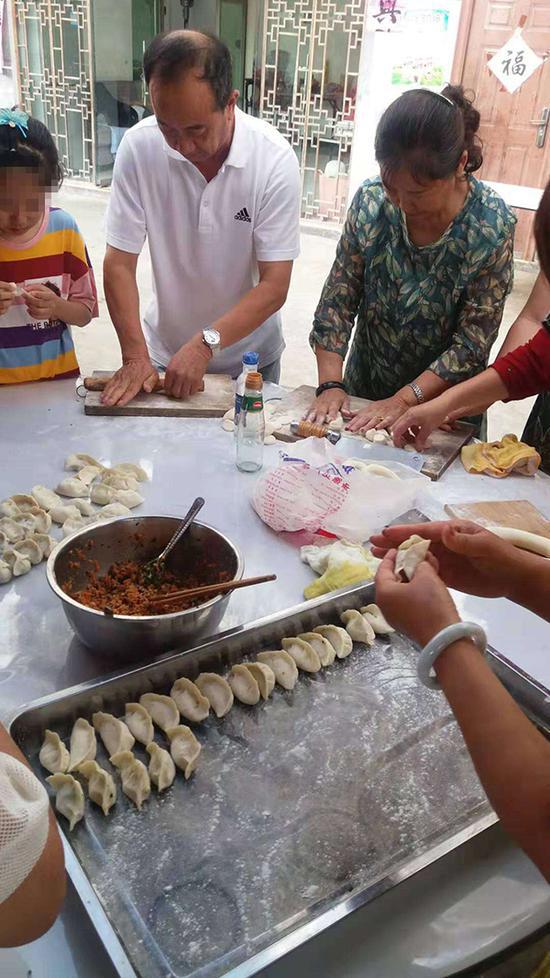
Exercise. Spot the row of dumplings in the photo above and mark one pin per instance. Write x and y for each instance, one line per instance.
(246, 682)
(26, 519)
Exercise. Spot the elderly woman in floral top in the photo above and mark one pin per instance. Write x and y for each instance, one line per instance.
(424, 265)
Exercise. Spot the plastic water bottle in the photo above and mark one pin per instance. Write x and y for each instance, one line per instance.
(250, 362)
(251, 429)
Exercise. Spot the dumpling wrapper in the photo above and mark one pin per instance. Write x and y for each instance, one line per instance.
(78, 461)
(53, 755)
(128, 498)
(117, 481)
(162, 709)
(113, 732)
(244, 686)
(283, 666)
(18, 563)
(184, 748)
(304, 655)
(131, 469)
(9, 508)
(36, 521)
(264, 676)
(30, 549)
(217, 690)
(162, 769)
(357, 627)
(338, 638)
(5, 572)
(84, 506)
(136, 783)
(60, 514)
(69, 797)
(102, 495)
(12, 530)
(88, 473)
(101, 785)
(189, 700)
(24, 502)
(112, 510)
(410, 554)
(83, 744)
(46, 498)
(73, 525)
(139, 723)
(322, 646)
(44, 541)
(72, 487)
(376, 619)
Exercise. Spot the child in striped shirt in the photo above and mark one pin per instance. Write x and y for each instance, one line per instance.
(46, 279)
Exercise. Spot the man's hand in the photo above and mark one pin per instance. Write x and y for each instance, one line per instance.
(8, 291)
(470, 558)
(421, 607)
(186, 370)
(134, 376)
(42, 302)
(382, 414)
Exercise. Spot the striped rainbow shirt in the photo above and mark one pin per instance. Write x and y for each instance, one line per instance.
(56, 256)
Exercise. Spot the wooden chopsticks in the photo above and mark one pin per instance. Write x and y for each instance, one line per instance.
(166, 600)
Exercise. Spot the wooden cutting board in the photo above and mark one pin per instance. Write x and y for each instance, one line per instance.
(442, 450)
(216, 398)
(518, 513)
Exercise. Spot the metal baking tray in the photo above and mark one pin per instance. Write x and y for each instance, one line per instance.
(302, 808)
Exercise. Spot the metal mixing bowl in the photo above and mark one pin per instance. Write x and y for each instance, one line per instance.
(141, 539)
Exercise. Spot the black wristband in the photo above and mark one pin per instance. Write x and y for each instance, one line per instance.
(331, 385)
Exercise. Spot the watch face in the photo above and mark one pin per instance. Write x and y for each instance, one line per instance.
(211, 336)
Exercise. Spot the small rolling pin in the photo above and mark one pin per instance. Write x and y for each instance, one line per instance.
(100, 383)
(306, 429)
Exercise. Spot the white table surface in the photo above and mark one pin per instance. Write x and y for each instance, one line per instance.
(469, 905)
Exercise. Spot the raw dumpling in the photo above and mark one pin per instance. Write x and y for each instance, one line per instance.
(162, 709)
(46, 498)
(116, 481)
(162, 769)
(357, 627)
(88, 473)
(139, 722)
(37, 520)
(113, 509)
(45, 542)
(189, 700)
(338, 638)
(217, 690)
(128, 498)
(304, 655)
(53, 755)
(60, 514)
(83, 744)
(18, 563)
(101, 785)
(322, 646)
(84, 506)
(5, 572)
(24, 503)
(244, 686)
(72, 525)
(283, 666)
(113, 732)
(134, 471)
(102, 495)
(78, 461)
(184, 748)
(375, 618)
(30, 549)
(69, 797)
(264, 676)
(12, 530)
(72, 487)
(134, 776)
(410, 554)
(9, 508)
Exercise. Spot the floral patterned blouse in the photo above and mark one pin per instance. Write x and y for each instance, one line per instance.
(436, 307)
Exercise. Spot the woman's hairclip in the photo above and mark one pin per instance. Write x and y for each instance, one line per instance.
(446, 99)
(15, 119)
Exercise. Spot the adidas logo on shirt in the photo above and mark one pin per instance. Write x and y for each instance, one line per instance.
(243, 215)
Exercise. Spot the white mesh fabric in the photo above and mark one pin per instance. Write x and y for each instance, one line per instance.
(24, 809)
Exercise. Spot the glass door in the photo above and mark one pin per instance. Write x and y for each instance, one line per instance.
(233, 32)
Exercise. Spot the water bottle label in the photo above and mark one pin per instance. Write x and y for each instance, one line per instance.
(252, 403)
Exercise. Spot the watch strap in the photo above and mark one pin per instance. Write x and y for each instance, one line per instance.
(331, 385)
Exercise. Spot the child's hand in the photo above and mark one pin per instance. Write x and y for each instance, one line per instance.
(421, 607)
(42, 302)
(8, 291)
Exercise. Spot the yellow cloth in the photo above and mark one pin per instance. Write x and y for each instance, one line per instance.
(500, 458)
(334, 578)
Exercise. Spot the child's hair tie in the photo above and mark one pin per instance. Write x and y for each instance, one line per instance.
(15, 119)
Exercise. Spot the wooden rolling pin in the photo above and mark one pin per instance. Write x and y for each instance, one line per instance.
(100, 383)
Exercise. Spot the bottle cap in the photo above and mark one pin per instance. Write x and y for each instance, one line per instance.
(254, 381)
(251, 359)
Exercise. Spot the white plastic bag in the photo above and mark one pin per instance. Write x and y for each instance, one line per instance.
(312, 490)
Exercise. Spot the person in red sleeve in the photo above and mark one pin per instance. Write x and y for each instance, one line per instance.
(520, 373)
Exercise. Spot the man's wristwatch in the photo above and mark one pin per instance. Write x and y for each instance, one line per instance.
(212, 339)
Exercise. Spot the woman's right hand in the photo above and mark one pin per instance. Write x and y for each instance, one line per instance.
(326, 407)
(420, 420)
(8, 291)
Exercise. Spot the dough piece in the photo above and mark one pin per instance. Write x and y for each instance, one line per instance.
(18, 563)
(244, 686)
(12, 530)
(229, 415)
(162, 769)
(304, 655)
(30, 549)
(162, 709)
(88, 473)
(78, 461)
(84, 507)
(357, 627)
(128, 498)
(9, 508)
(189, 700)
(269, 440)
(69, 797)
(376, 619)
(72, 487)
(83, 744)
(5, 572)
(382, 470)
(73, 525)
(134, 776)
(338, 638)
(45, 542)
(370, 433)
(24, 503)
(264, 676)
(113, 509)
(322, 646)
(409, 447)
(101, 785)
(217, 690)
(523, 539)
(131, 469)
(228, 425)
(382, 437)
(283, 666)
(60, 514)
(184, 748)
(102, 495)
(46, 498)
(138, 720)
(117, 481)
(410, 554)
(337, 423)
(53, 755)
(113, 732)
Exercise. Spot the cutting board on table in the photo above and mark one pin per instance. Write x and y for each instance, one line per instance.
(518, 513)
(216, 398)
(443, 447)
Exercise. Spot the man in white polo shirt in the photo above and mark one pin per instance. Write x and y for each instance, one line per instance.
(216, 193)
